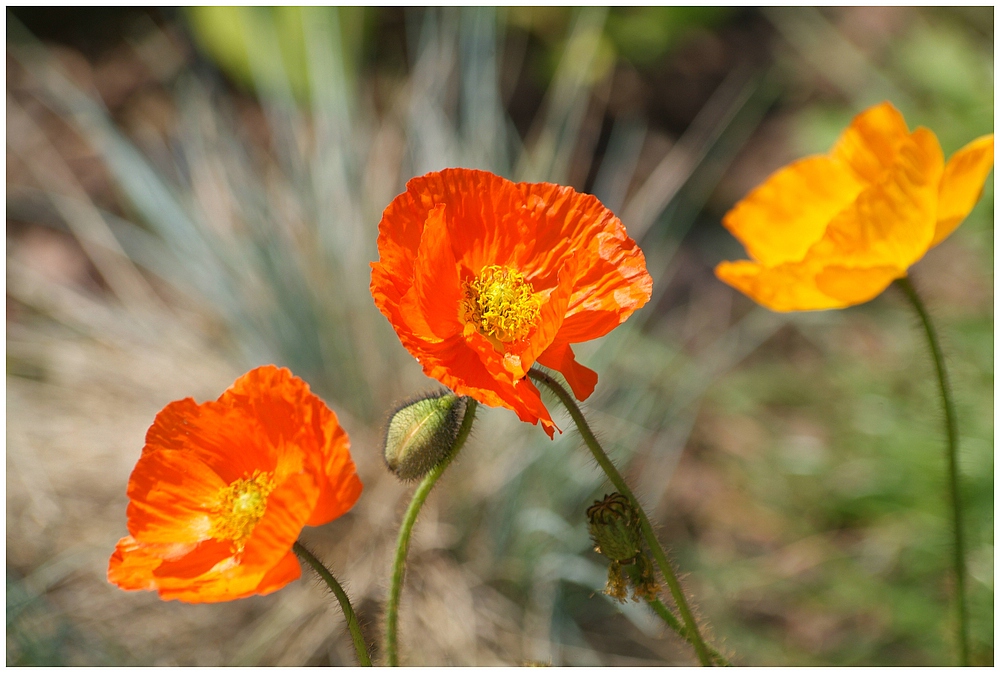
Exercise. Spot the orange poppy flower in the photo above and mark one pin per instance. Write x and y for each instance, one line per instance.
(482, 277)
(222, 490)
(834, 230)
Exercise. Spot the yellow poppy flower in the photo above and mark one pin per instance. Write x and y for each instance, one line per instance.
(834, 230)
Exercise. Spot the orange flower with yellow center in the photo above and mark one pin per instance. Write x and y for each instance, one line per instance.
(834, 230)
(223, 489)
(482, 277)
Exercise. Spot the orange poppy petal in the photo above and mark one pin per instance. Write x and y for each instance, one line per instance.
(562, 224)
(200, 560)
(341, 488)
(788, 287)
(856, 285)
(778, 221)
(216, 586)
(614, 279)
(226, 441)
(430, 307)
(870, 144)
(137, 566)
(288, 508)
(285, 571)
(550, 321)
(480, 208)
(962, 185)
(167, 497)
(891, 223)
(131, 568)
(292, 415)
(561, 358)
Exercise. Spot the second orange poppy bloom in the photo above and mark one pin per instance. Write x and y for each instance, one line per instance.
(223, 489)
(482, 277)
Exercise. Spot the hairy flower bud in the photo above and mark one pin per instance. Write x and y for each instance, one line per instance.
(422, 432)
(614, 525)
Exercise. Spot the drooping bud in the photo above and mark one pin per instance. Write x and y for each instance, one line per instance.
(422, 432)
(616, 530)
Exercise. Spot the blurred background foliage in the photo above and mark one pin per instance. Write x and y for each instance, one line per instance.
(191, 193)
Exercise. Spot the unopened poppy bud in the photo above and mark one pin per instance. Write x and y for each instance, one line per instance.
(614, 525)
(421, 433)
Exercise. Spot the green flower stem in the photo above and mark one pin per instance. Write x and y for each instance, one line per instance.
(403, 541)
(647, 529)
(345, 604)
(666, 615)
(951, 430)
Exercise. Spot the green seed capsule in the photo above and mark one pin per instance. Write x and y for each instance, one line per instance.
(421, 433)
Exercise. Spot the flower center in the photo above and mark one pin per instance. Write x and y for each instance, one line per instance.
(240, 506)
(501, 304)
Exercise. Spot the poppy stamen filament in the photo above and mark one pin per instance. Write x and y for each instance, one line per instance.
(240, 506)
(500, 304)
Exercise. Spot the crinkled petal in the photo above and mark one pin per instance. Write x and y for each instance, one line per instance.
(572, 227)
(460, 364)
(962, 185)
(229, 442)
(483, 219)
(431, 306)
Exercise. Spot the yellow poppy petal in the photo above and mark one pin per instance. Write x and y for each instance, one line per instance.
(962, 185)
(856, 285)
(788, 287)
(780, 219)
(891, 223)
(870, 143)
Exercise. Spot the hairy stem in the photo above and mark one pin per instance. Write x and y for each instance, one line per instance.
(667, 616)
(403, 541)
(345, 604)
(647, 529)
(954, 494)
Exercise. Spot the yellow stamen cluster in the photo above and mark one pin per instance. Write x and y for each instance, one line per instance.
(501, 304)
(240, 506)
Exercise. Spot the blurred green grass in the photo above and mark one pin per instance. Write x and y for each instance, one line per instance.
(794, 463)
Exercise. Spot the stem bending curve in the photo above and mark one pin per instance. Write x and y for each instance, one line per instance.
(403, 541)
(693, 635)
(345, 604)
